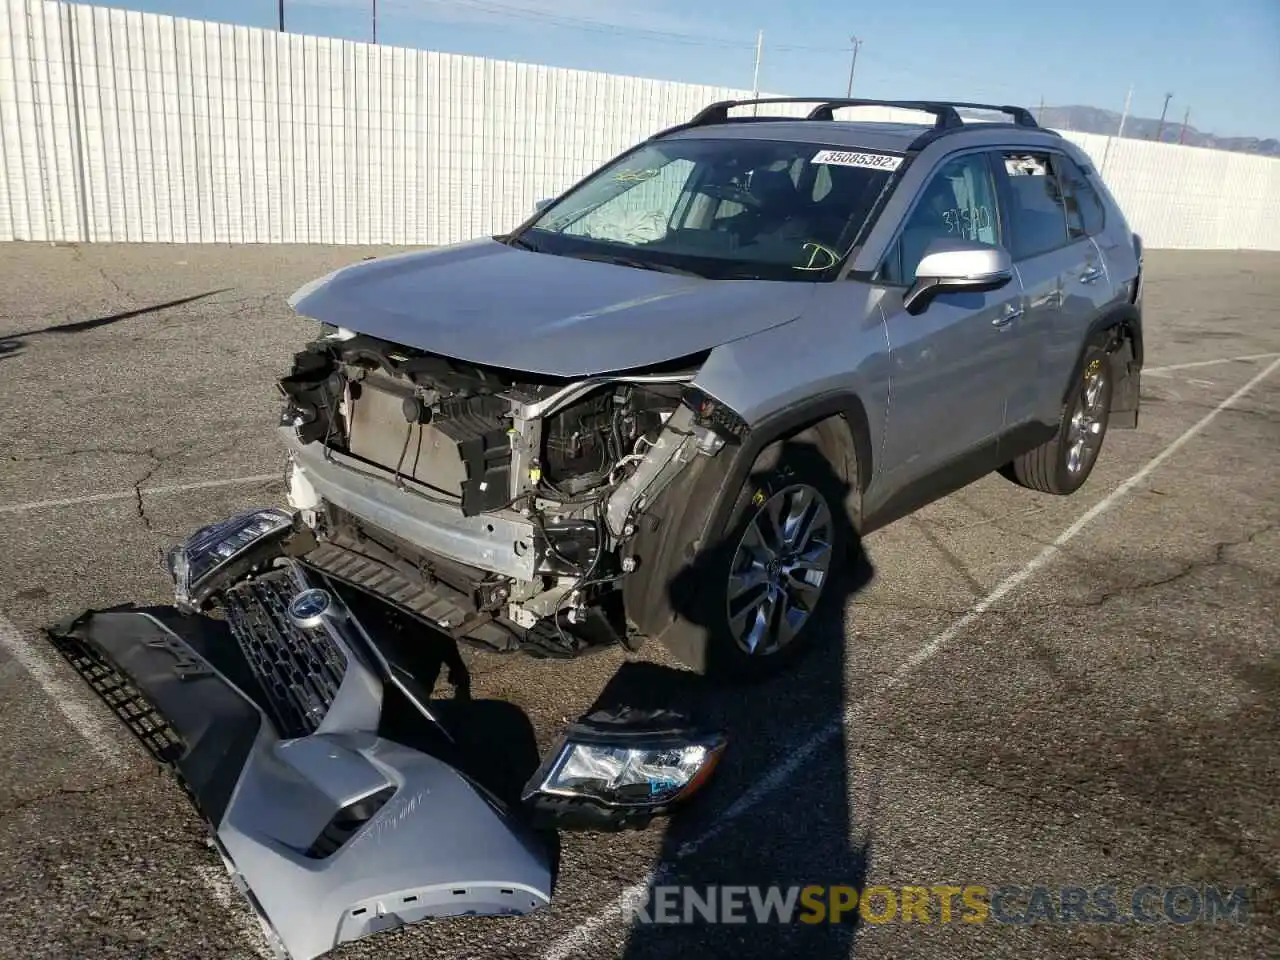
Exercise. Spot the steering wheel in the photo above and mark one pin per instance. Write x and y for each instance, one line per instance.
(731, 194)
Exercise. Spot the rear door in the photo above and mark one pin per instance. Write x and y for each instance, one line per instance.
(1087, 218)
(952, 365)
(1062, 274)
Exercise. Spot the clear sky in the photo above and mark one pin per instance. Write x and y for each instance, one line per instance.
(1220, 58)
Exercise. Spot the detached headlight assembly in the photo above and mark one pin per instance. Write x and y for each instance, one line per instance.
(618, 770)
(196, 563)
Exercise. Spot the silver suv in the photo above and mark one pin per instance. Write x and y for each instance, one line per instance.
(667, 405)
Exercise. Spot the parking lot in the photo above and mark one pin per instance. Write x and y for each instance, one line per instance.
(1032, 690)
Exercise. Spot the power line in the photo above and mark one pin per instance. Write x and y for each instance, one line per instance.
(604, 27)
(583, 23)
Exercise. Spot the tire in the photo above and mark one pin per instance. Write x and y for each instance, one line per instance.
(1062, 464)
(743, 573)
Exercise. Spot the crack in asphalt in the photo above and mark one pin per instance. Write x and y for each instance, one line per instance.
(1067, 803)
(73, 792)
(77, 253)
(1218, 558)
(149, 452)
(906, 606)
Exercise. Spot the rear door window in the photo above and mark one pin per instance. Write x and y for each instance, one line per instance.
(1037, 212)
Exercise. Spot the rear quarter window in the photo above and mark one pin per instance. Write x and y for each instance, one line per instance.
(1086, 215)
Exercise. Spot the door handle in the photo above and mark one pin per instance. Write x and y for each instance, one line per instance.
(1090, 274)
(1010, 314)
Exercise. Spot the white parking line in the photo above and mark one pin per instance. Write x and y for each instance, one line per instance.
(66, 695)
(579, 938)
(108, 744)
(1161, 371)
(131, 493)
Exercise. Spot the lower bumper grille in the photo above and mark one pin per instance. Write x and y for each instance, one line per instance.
(300, 670)
(125, 700)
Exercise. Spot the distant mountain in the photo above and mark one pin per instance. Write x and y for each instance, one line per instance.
(1094, 120)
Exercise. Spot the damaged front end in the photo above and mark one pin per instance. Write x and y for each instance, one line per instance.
(296, 711)
(496, 506)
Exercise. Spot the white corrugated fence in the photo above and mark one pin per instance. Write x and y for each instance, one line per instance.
(122, 126)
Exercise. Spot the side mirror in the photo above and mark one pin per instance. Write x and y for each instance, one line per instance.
(950, 265)
(543, 204)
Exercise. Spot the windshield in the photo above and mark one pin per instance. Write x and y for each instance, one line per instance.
(721, 208)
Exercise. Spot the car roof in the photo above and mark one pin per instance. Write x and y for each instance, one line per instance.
(896, 137)
(892, 137)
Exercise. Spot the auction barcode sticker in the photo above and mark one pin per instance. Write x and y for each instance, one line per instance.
(845, 158)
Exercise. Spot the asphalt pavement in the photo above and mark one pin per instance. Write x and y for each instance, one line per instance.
(1064, 692)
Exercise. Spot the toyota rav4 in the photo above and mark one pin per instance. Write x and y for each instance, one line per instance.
(731, 350)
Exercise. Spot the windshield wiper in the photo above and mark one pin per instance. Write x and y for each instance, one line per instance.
(521, 243)
(638, 264)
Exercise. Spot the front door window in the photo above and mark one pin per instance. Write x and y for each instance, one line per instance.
(959, 202)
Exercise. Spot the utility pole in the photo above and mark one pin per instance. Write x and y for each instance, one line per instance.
(1163, 110)
(1182, 134)
(1128, 98)
(1106, 152)
(853, 62)
(1040, 112)
(280, 5)
(375, 22)
(755, 76)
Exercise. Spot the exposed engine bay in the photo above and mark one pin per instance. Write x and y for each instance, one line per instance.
(495, 506)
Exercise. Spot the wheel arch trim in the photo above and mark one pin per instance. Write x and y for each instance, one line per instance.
(686, 515)
(1126, 318)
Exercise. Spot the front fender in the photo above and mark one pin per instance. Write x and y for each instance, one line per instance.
(688, 516)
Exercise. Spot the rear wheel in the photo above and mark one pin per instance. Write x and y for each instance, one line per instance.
(766, 593)
(1062, 464)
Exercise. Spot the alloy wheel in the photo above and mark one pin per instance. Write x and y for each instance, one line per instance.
(1088, 420)
(780, 569)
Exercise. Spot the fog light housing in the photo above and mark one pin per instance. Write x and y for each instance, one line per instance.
(619, 769)
(196, 563)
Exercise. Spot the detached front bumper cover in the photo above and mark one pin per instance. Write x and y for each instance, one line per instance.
(269, 720)
(331, 836)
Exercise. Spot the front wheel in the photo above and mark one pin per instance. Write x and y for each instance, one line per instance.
(770, 586)
(1062, 464)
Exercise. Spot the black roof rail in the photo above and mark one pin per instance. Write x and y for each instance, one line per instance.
(1021, 115)
(946, 114)
(719, 112)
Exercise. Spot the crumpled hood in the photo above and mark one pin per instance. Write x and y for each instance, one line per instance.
(491, 304)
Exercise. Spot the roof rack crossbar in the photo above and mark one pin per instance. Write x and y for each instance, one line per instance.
(1021, 115)
(946, 115)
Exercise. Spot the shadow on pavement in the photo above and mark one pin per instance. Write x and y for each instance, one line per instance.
(800, 834)
(13, 341)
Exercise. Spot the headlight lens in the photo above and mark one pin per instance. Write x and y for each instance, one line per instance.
(628, 775)
(616, 769)
(214, 546)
